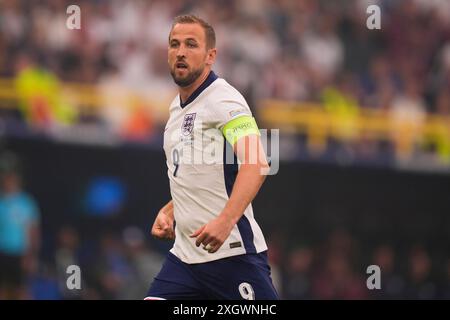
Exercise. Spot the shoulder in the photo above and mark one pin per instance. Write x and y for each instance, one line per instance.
(27, 201)
(224, 102)
(221, 90)
(224, 96)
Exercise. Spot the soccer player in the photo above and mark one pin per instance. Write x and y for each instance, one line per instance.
(19, 230)
(219, 250)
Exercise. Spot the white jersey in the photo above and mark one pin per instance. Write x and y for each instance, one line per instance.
(201, 180)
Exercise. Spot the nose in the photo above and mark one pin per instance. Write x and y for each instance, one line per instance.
(181, 52)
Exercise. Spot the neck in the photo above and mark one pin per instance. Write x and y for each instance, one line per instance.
(185, 92)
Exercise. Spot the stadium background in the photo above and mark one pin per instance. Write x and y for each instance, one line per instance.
(364, 138)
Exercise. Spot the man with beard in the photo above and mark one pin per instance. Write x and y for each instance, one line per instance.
(219, 250)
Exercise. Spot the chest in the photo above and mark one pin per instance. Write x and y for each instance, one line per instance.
(14, 213)
(189, 134)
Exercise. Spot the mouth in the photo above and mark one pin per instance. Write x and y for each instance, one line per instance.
(181, 66)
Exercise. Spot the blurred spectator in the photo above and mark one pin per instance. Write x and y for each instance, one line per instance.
(392, 285)
(420, 284)
(323, 50)
(44, 284)
(289, 50)
(336, 278)
(275, 257)
(298, 284)
(113, 270)
(19, 230)
(408, 114)
(380, 84)
(67, 254)
(40, 96)
(145, 263)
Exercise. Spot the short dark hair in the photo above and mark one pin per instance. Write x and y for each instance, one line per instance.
(210, 34)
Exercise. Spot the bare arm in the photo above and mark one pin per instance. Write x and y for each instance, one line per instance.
(248, 182)
(249, 179)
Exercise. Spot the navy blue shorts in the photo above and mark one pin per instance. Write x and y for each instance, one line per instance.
(233, 278)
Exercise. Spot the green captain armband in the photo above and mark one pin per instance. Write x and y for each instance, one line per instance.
(238, 128)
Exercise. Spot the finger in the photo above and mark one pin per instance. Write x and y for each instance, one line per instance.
(214, 247)
(207, 247)
(162, 223)
(196, 233)
(158, 233)
(158, 227)
(202, 237)
(207, 243)
(168, 232)
(170, 226)
(154, 228)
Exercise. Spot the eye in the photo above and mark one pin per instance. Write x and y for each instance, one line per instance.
(174, 44)
(192, 45)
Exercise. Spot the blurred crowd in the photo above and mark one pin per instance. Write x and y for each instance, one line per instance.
(36, 261)
(337, 268)
(121, 265)
(294, 50)
(290, 50)
(120, 261)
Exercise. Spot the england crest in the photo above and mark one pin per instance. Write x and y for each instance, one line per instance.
(188, 124)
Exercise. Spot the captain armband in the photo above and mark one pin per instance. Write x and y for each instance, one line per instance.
(238, 128)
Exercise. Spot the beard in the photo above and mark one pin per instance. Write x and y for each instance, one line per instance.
(188, 79)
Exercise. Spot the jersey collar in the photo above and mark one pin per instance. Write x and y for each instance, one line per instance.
(210, 79)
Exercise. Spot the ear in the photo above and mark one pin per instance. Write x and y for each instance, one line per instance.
(211, 56)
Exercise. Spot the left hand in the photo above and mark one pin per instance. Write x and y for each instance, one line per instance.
(213, 234)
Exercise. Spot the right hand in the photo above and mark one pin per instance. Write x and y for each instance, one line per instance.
(163, 226)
